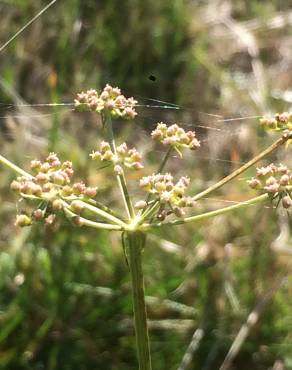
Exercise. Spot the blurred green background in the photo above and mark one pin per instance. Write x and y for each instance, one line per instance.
(65, 297)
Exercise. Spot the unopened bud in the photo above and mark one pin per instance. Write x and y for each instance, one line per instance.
(57, 205)
(118, 169)
(287, 202)
(284, 180)
(50, 219)
(141, 204)
(15, 185)
(77, 206)
(38, 214)
(23, 220)
(77, 220)
(90, 192)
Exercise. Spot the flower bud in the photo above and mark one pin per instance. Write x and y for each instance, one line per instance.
(50, 219)
(58, 178)
(15, 185)
(78, 188)
(23, 220)
(90, 192)
(284, 180)
(41, 178)
(160, 186)
(141, 204)
(76, 220)
(38, 214)
(47, 187)
(67, 191)
(118, 169)
(254, 183)
(45, 167)
(287, 202)
(57, 205)
(77, 206)
(165, 197)
(35, 165)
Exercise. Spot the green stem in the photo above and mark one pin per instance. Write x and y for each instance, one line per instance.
(89, 223)
(15, 168)
(165, 159)
(121, 178)
(136, 242)
(206, 215)
(149, 212)
(103, 214)
(243, 168)
(160, 169)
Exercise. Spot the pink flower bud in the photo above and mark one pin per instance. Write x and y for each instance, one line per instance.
(137, 166)
(287, 202)
(78, 188)
(38, 214)
(50, 219)
(254, 183)
(47, 188)
(284, 180)
(41, 178)
(90, 192)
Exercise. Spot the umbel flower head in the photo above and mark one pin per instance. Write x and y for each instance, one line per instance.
(171, 195)
(130, 158)
(280, 122)
(175, 136)
(52, 185)
(274, 180)
(109, 100)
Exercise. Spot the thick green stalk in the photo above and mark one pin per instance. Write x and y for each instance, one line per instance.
(136, 242)
(107, 121)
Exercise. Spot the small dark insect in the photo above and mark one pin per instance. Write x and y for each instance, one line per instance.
(152, 78)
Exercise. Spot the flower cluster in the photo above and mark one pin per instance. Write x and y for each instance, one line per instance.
(51, 184)
(274, 180)
(171, 195)
(130, 158)
(110, 100)
(175, 136)
(280, 122)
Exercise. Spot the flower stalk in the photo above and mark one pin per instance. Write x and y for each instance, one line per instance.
(108, 126)
(243, 168)
(136, 241)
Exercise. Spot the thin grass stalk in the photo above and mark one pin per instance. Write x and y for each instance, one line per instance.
(136, 241)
